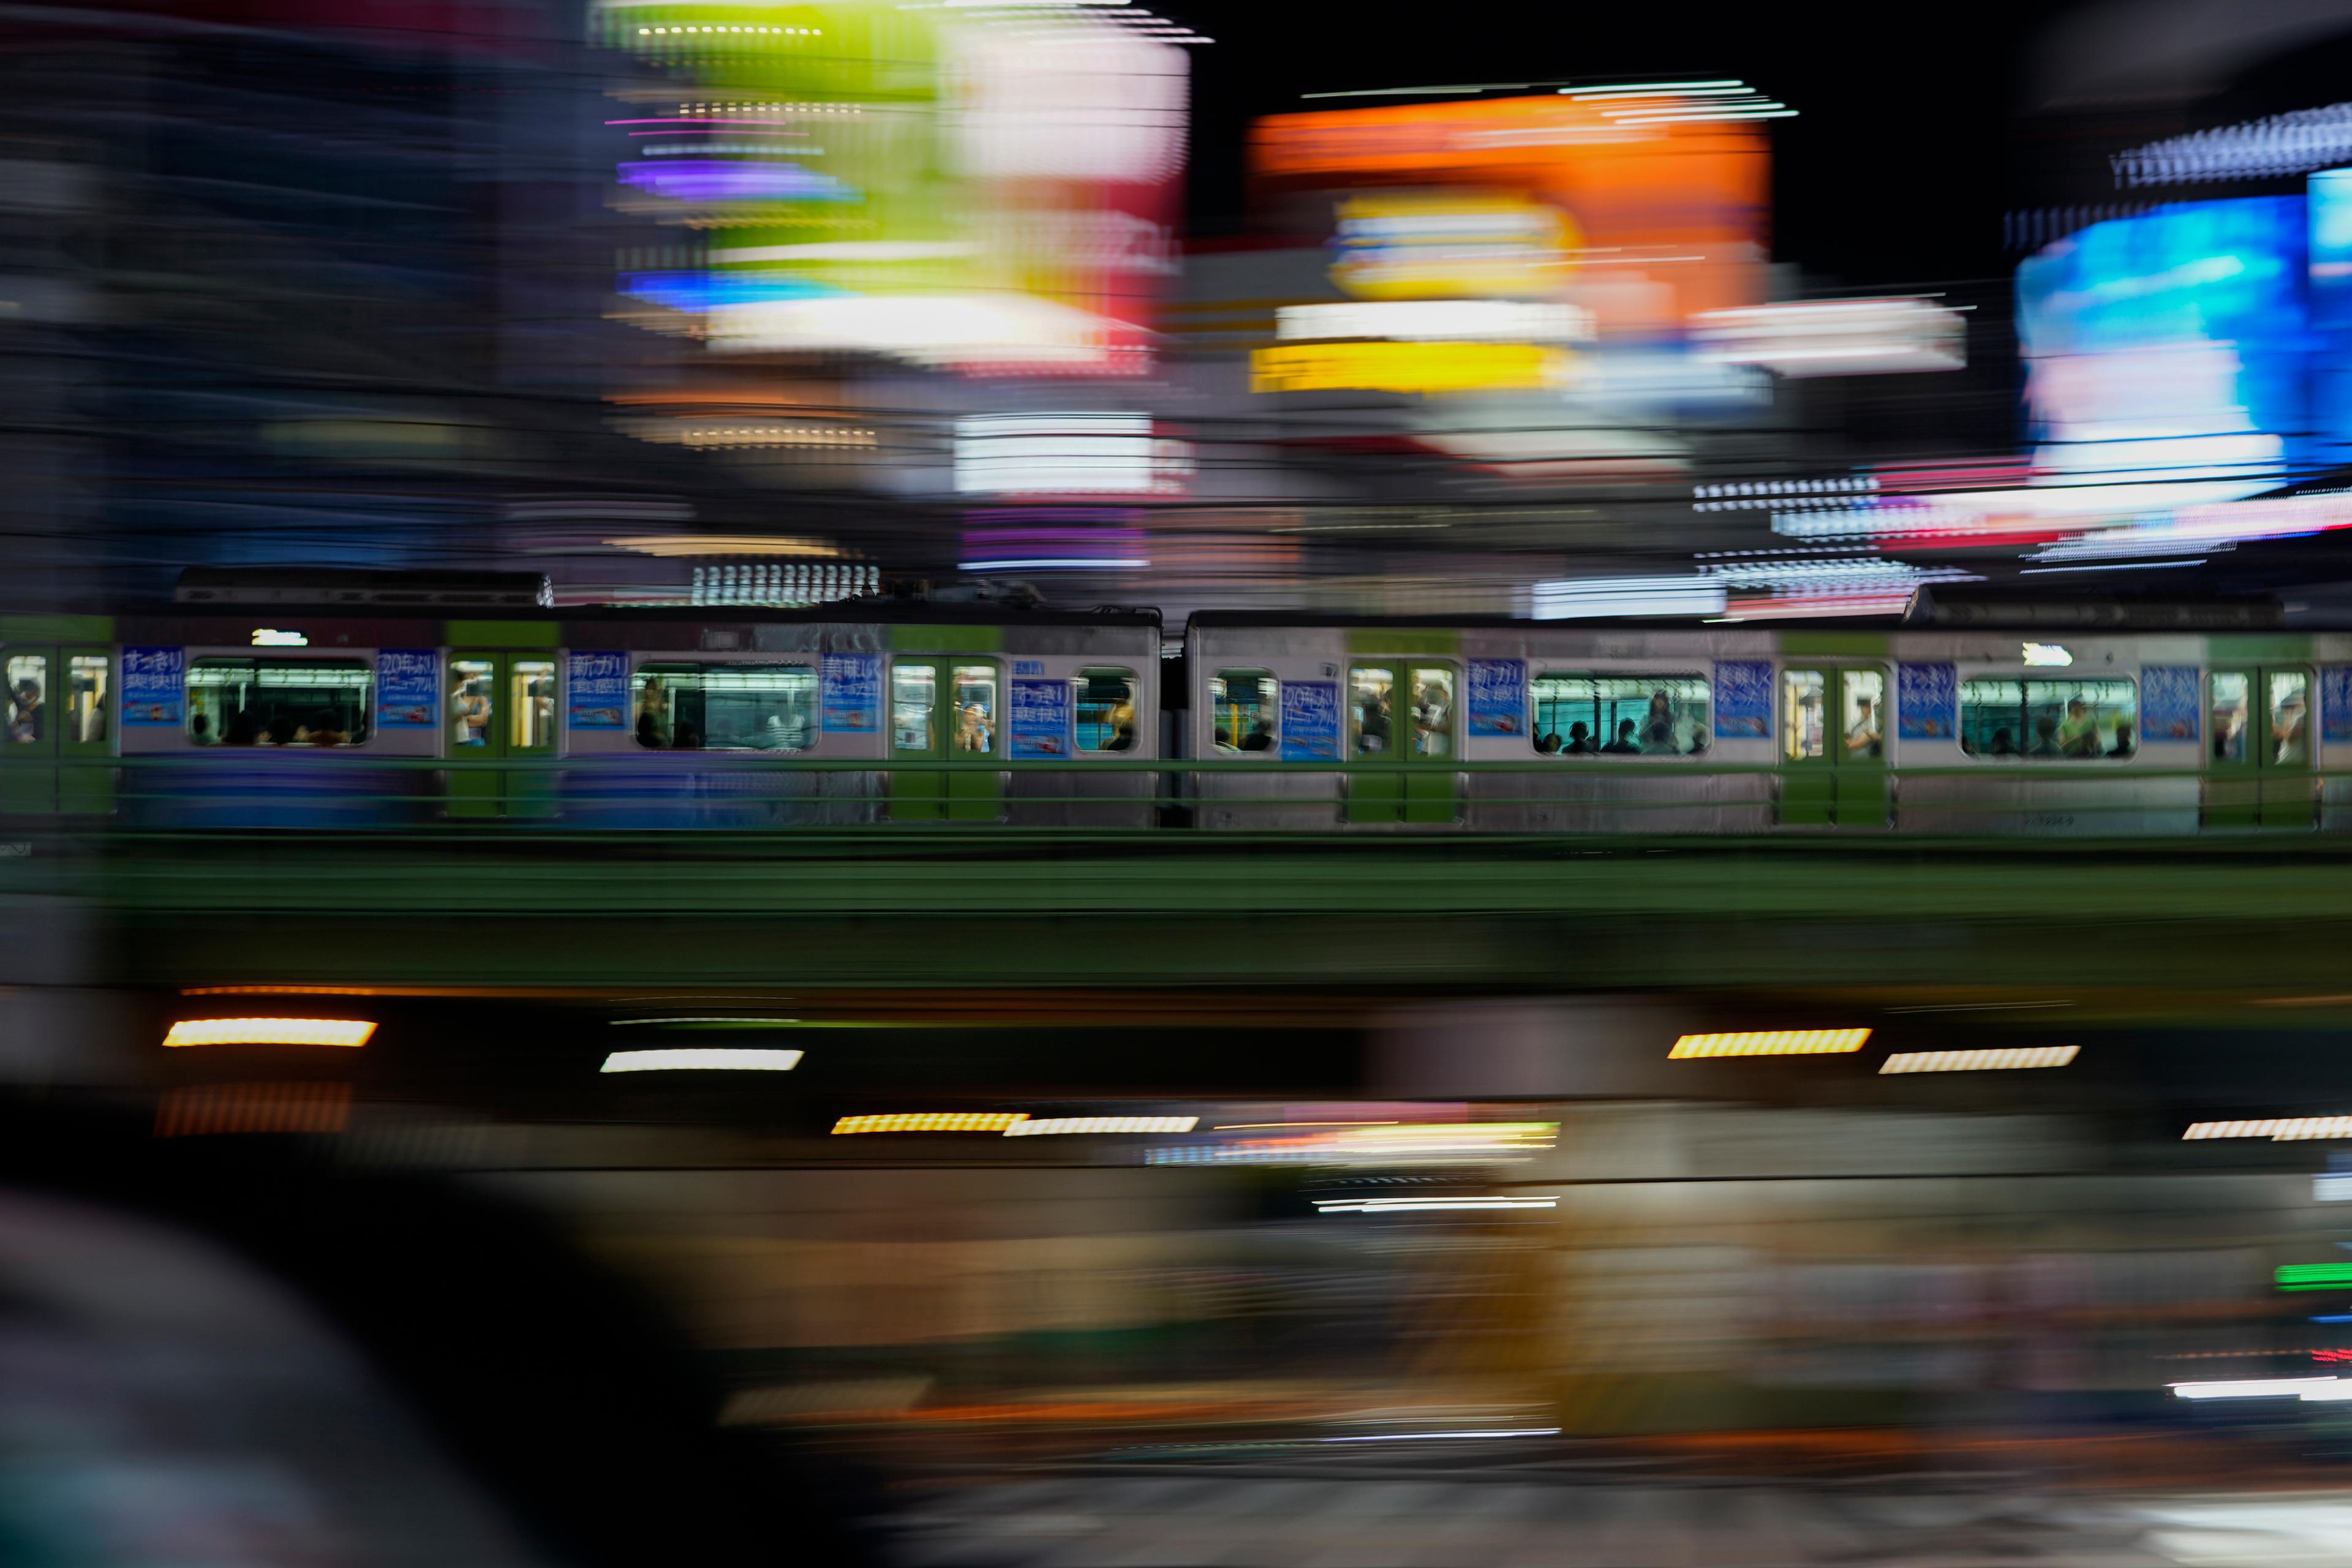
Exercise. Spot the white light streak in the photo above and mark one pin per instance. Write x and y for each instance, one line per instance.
(1996, 1061)
(1424, 1436)
(1048, 1126)
(1426, 1206)
(2277, 1129)
(1574, 597)
(2263, 1388)
(701, 1059)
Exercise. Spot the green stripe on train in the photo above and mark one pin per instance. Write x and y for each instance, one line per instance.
(1833, 644)
(56, 628)
(946, 639)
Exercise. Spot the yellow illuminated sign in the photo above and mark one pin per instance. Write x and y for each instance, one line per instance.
(1406, 367)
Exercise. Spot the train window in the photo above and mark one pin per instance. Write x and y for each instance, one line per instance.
(975, 708)
(724, 706)
(1106, 710)
(1865, 699)
(279, 701)
(28, 697)
(2007, 717)
(911, 688)
(2229, 716)
(1243, 704)
(472, 701)
(1371, 706)
(86, 687)
(1433, 711)
(1802, 693)
(2290, 692)
(530, 699)
(1645, 715)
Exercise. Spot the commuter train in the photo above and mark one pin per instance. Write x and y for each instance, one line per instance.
(373, 699)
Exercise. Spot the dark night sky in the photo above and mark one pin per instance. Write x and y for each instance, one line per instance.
(1894, 172)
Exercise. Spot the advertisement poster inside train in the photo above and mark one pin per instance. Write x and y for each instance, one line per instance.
(853, 693)
(1927, 699)
(407, 690)
(2336, 702)
(151, 684)
(2168, 703)
(1743, 700)
(1310, 720)
(599, 684)
(1040, 719)
(1498, 696)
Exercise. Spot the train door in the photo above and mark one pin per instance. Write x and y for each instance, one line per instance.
(500, 712)
(1404, 711)
(1833, 746)
(2260, 755)
(56, 752)
(941, 709)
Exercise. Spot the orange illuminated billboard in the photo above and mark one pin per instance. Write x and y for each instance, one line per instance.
(1641, 218)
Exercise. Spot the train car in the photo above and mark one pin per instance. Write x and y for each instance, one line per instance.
(1964, 723)
(357, 699)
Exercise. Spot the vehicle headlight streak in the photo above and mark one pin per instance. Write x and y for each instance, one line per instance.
(700, 1058)
(270, 1032)
(1996, 1061)
(1770, 1043)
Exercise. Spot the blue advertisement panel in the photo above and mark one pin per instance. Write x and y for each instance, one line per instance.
(153, 685)
(1498, 696)
(2169, 705)
(1743, 700)
(1310, 720)
(599, 684)
(2336, 702)
(852, 693)
(1926, 702)
(1040, 719)
(407, 687)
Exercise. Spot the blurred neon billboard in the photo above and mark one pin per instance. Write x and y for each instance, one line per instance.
(955, 187)
(2170, 347)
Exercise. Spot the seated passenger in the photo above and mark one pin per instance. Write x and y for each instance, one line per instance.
(1548, 743)
(1260, 738)
(1580, 740)
(244, 729)
(325, 730)
(2004, 744)
(283, 731)
(1624, 746)
(1658, 739)
(1121, 739)
(1698, 744)
(685, 737)
(2124, 740)
(2045, 737)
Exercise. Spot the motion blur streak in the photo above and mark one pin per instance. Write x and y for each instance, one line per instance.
(224, 1108)
(1046, 1126)
(930, 1121)
(1770, 1043)
(700, 1060)
(270, 1032)
(1417, 1205)
(2257, 1388)
(2283, 1130)
(1980, 1061)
